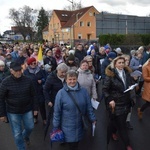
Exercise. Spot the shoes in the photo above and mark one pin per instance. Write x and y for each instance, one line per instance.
(114, 137)
(140, 113)
(129, 126)
(129, 148)
(27, 141)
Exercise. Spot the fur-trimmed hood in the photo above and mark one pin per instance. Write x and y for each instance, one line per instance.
(110, 71)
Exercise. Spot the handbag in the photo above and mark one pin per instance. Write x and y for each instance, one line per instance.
(85, 121)
(57, 135)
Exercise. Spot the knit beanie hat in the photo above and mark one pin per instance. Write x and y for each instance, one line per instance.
(2, 63)
(111, 55)
(30, 60)
(71, 57)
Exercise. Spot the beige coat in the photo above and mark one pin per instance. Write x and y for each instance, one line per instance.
(146, 86)
(86, 80)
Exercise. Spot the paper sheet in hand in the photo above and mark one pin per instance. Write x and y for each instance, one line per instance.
(131, 88)
(94, 103)
(93, 129)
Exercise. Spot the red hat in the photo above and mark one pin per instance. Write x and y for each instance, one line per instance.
(30, 60)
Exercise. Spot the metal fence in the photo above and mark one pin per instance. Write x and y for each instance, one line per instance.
(121, 24)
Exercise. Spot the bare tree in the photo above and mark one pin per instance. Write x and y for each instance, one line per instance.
(73, 5)
(24, 20)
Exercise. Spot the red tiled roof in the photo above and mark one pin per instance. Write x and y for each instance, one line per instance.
(68, 18)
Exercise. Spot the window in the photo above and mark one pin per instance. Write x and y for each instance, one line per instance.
(90, 14)
(79, 36)
(81, 23)
(88, 24)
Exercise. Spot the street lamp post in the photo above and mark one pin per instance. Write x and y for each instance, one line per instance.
(71, 3)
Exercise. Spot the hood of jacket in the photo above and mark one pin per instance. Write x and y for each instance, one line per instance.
(84, 71)
(110, 71)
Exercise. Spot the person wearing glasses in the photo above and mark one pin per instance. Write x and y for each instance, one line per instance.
(38, 77)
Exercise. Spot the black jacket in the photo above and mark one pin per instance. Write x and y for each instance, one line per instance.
(52, 85)
(114, 88)
(50, 61)
(80, 54)
(17, 95)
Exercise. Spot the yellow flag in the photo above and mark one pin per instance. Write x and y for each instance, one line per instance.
(40, 56)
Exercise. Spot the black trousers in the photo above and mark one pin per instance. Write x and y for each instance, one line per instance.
(119, 123)
(144, 106)
(73, 145)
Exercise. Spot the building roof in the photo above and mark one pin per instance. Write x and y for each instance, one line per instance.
(45, 29)
(68, 18)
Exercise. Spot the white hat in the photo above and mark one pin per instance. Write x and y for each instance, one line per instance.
(2, 63)
(118, 50)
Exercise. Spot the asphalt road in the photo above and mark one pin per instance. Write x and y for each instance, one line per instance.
(139, 136)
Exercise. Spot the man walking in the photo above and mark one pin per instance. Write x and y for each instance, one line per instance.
(17, 101)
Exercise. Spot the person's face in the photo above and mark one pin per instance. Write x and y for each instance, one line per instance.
(35, 52)
(79, 47)
(92, 52)
(33, 64)
(61, 73)
(16, 74)
(90, 62)
(127, 60)
(102, 51)
(49, 53)
(139, 55)
(70, 61)
(120, 64)
(2, 68)
(71, 81)
(84, 66)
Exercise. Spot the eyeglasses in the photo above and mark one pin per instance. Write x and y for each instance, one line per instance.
(33, 64)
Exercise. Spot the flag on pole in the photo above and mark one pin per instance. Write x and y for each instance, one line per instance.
(40, 56)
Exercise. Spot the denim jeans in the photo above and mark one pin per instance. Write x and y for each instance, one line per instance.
(17, 122)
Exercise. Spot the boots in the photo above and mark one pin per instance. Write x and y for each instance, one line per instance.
(140, 113)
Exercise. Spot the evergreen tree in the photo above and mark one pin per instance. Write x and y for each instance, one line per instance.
(42, 22)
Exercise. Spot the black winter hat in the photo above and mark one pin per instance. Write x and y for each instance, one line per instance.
(71, 57)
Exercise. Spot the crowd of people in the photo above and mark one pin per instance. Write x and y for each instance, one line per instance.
(28, 86)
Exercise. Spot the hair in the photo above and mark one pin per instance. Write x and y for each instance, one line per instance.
(83, 61)
(138, 52)
(71, 73)
(126, 56)
(88, 57)
(115, 60)
(132, 52)
(62, 66)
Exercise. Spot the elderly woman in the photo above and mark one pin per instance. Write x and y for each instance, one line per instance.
(36, 74)
(86, 79)
(146, 86)
(117, 80)
(66, 114)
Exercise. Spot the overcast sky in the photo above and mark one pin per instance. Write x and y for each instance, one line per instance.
(130, 7)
